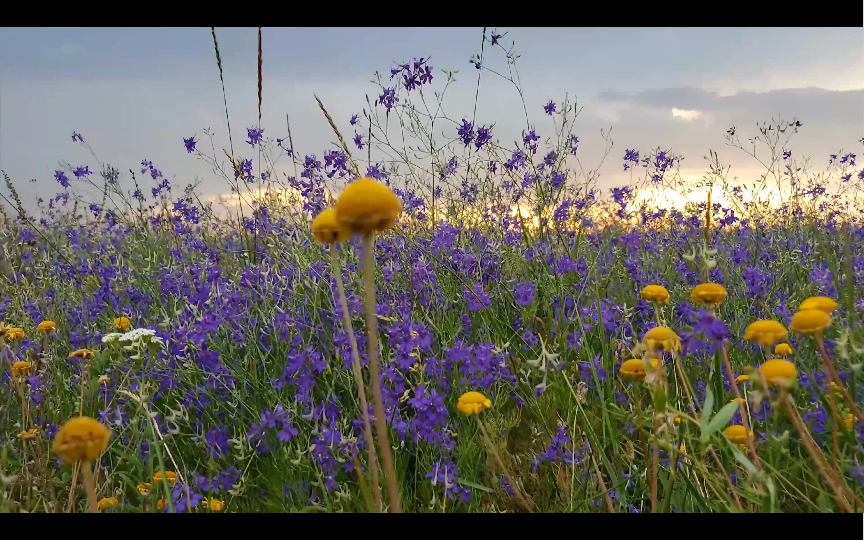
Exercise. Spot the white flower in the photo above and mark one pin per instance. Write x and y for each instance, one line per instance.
(110, 338)
(136, 334)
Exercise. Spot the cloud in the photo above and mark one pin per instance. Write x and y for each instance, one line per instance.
(685, 114)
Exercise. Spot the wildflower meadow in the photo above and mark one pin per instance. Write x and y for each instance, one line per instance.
(417, 322)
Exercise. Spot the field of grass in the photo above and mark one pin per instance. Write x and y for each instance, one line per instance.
(213, 345)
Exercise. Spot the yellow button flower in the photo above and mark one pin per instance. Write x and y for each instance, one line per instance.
(216, 505)
(161, 504)
(822, 303)
(15, 333)
(122, 323)
(783, 349)
(742, 379)
(81, 438)
(108, 503)
(810, 321)
(28, 435)
(655, 293)
(635, 369)
(47, 327)
(738, 400)
(170, 475)
(708, 293)
(367, 206)
(779, 372)
(662, 338)
(21, 368)
(83, 354)
(143, 488)
(326, 229)
(473, 403)
(765, 332)
(849, 420)
(737, 434)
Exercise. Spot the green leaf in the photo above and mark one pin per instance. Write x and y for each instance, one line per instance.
(473, 485)
(313, 509)
(707, 409)
(742, 459)
(721, 419)
(772, 496)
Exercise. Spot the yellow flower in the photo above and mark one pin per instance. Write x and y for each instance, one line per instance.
(742, 379)
(677, 419)
(738, 400)
(367, 206)
(779, 372)
(662, 338)
(83, 353)
(144, 488)
(708, 293)
(326, 229)
(81, 438)
(765, 332)
(655, 293)
(737, 434)
(21, 368)
(170, 475)
(216, 505)
(849, 420)
(28, 435)
(47, 327)
(108, 503)
(161, 504)
(822, 303)
(15, 333)
(635, 369)
(810, 321)
(122, 323)
(783, 349)
(473, 403)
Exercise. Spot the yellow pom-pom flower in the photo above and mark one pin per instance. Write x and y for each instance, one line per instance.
(327, 230)
(108, 503)
(635, 369)
(161, 504)
(783, 349)
(47, 327)
(708, 293)
(216, 505)
(822, 303)
(170, 475)
(83, 354)
(849, 420)
(367, 206)
(28, 435)
(122, 323)
(737, 434)
(143, 488)
(810, 322)
(21, 368)
(15, 333)
(81, 438)
(655, 293)
(662, 338)
(765, 332)
(742, 379)
(473, 403)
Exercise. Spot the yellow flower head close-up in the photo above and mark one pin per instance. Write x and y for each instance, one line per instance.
(367, 206)
(83, 354)
(742, 379)
(662, 338)
(28, 435)
(143, 488)
(47, 327)
(708, 293)
(216, 505)
(122, 323)
(783, 349)
(655, 293)
(737, 434)
(108, 503)
(326, 229)
(170, 475)
(810, 322)
(473, 403)
(822, 303)
(765, 332)
(21, 368)
(81, 438)
(849, 420)
(635, 369)
(15, 333)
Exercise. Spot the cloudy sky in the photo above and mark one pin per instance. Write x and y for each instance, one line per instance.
(135, 93)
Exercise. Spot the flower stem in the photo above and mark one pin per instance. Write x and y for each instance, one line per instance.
(744, 418)
(489, 446)
(90, 486)
(358, 377)
(374, 372)
(829, 367)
